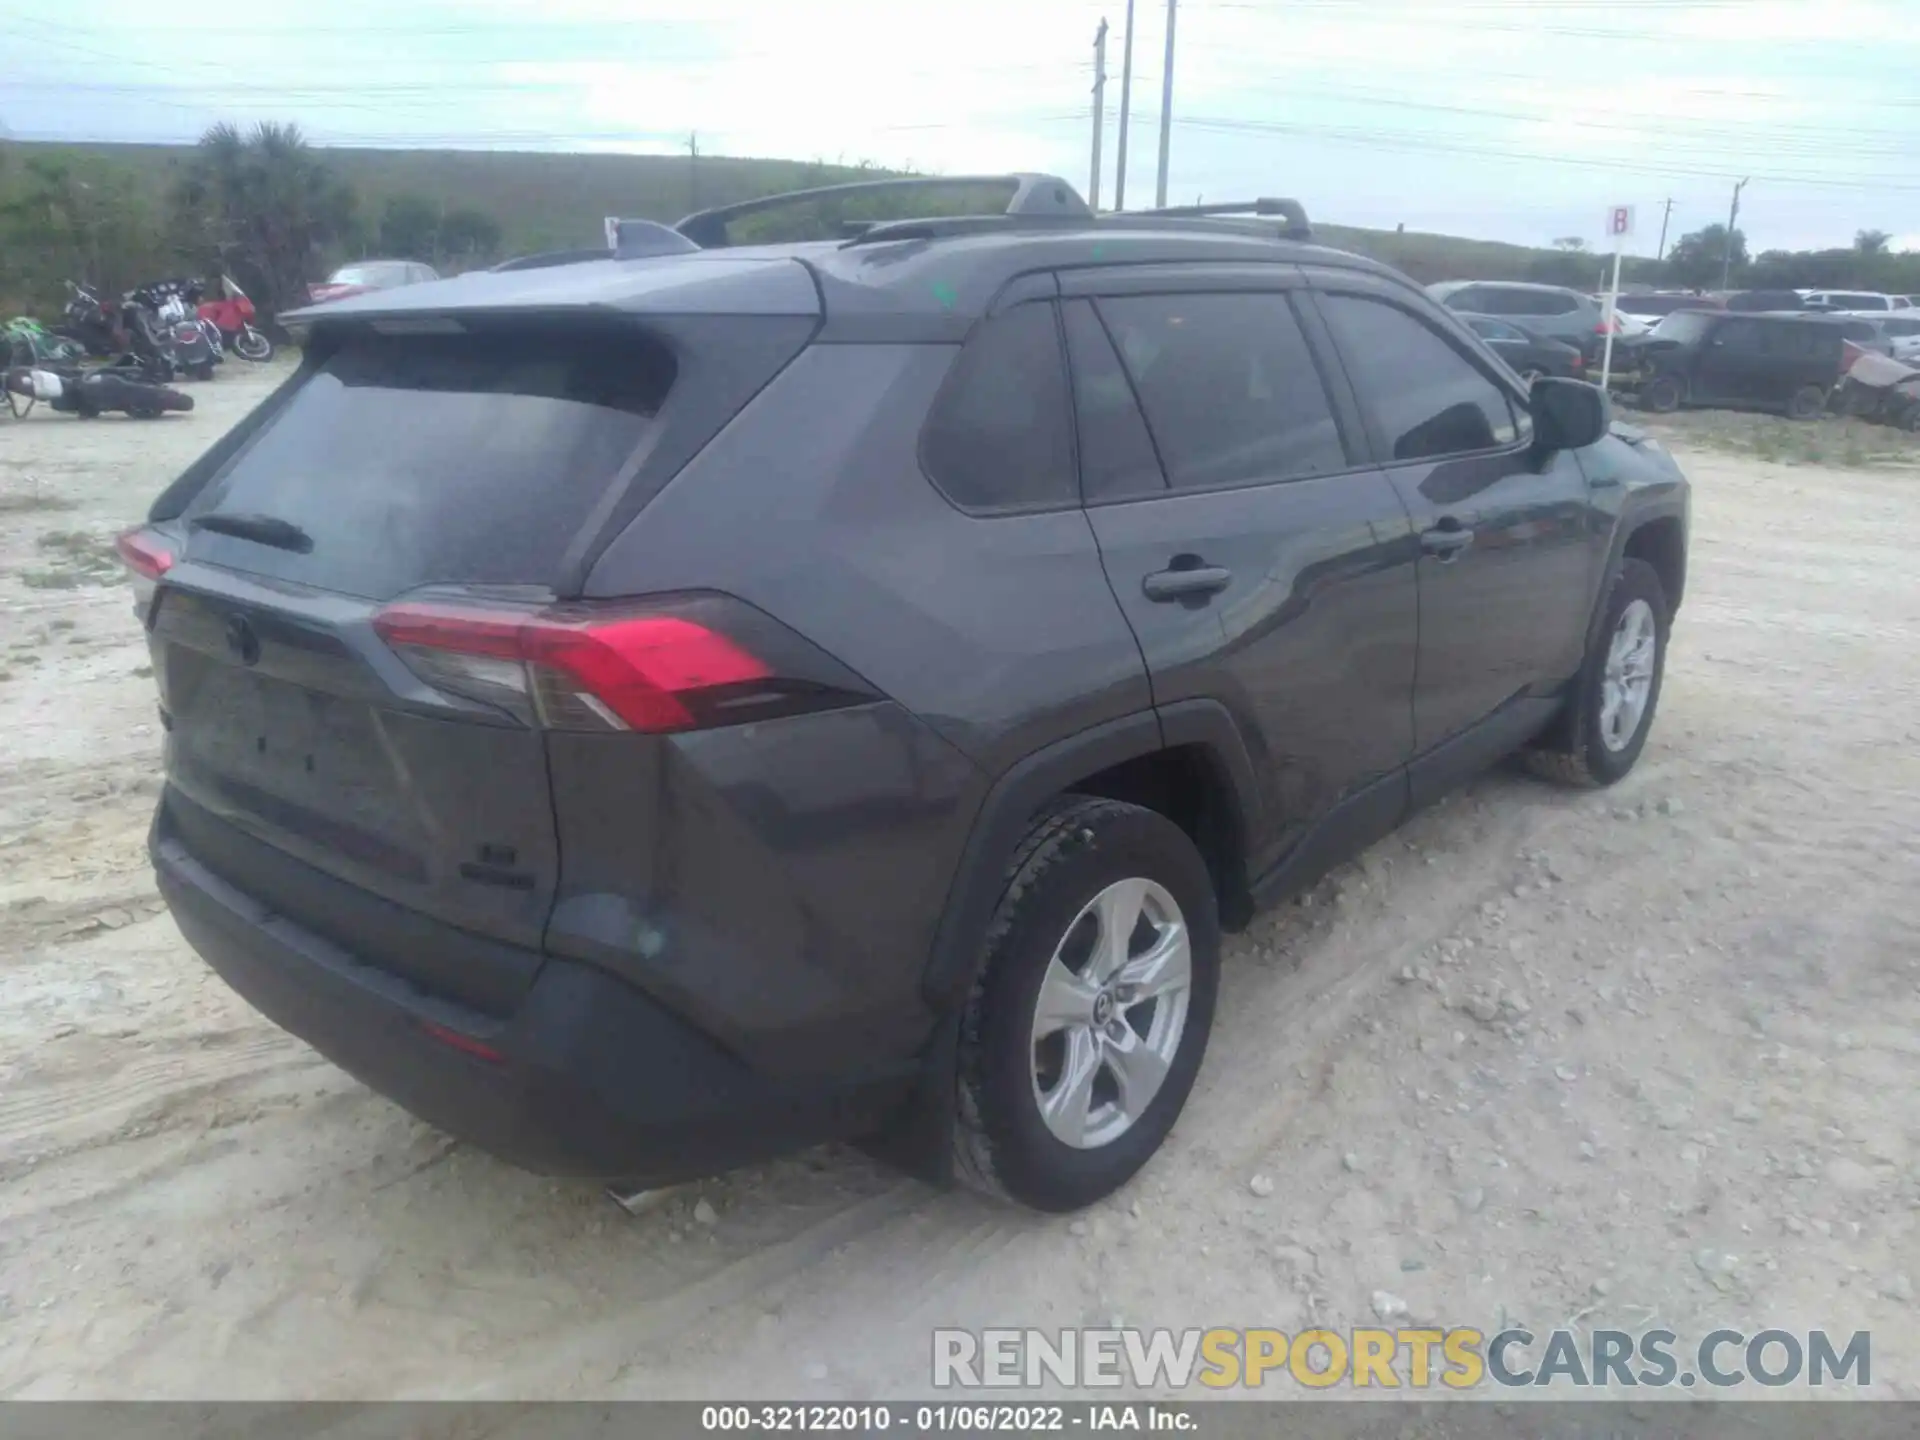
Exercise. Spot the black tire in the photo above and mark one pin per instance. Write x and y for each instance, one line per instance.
(202, 371)
(252, 345)
(1574, 752)
(1809, 402)
(1075, 849)
(1663, 394)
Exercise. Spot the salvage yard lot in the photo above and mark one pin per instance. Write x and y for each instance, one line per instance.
(1632, 1058)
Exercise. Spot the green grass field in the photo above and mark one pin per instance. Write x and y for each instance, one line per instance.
(545, 200)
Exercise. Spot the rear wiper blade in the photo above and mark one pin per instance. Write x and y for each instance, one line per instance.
(264, 529)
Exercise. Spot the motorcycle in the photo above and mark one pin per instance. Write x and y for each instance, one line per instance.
(28, 342)
(91, 393)
(166, 308)
(232, 319)
(88, 323)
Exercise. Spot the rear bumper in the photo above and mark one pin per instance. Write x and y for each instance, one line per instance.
(588, 1076)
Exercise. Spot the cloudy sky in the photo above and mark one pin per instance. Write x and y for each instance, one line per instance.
(1506, 119)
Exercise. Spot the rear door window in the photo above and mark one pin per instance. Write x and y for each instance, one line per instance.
(1117, 458)
(999, 437)
(1426, 398)
(1741, 335)
(407, 461)
(1232, 394)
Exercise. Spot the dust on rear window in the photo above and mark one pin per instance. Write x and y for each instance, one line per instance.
(440, 459)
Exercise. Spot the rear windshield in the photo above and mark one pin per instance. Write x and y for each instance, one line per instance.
(433, 459)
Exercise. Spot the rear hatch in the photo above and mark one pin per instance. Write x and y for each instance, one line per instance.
(330, 750)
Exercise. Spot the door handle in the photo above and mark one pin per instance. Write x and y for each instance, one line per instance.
(1182, 584)
(1446, 540)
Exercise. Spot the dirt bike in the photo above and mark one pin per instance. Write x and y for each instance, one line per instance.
(232, 317)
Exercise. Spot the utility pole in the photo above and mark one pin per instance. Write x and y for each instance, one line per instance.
(1166, 112)
(693, 172)
(1126, 104)
(1733, 218)
(1667, 215)
(1099, 108)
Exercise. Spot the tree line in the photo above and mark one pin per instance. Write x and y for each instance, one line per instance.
(261, 205)
(265, 206)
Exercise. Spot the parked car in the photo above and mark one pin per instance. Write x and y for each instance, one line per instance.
(1854, 301)
(365, 275)
(646, 715)
(1549, 310)
(1624, 322)
(1652, 307)
(1902, 333)
(1785, 362)
(1750, 301)
(1530, 355)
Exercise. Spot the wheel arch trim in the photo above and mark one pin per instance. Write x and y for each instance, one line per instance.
(1013, 799)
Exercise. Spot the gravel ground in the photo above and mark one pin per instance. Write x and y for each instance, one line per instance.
(1638, 1057)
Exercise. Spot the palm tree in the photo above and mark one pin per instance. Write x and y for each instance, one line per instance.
(1872, 242)
(262, 203)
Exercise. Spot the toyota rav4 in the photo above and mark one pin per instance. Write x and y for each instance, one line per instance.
(650, 711)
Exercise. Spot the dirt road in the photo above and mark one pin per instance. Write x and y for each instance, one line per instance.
(1640, 1057)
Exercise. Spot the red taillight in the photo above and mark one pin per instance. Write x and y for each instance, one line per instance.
(144, 555)
(571, 671)
(147, 558)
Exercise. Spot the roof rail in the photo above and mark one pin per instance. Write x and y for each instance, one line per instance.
(1292, 211)
(1034, 196)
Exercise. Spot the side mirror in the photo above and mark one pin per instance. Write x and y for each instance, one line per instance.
(1569, 414)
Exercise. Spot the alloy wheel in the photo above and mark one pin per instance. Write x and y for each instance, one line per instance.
(1111, 1012)
(1626, 685)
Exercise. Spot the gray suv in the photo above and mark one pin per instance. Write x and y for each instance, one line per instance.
(651, 711)
(1550, 310)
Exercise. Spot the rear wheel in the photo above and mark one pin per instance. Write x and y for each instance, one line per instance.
(250, 344)
(1085, 1031)
(1663, 394)
(1809, 402)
